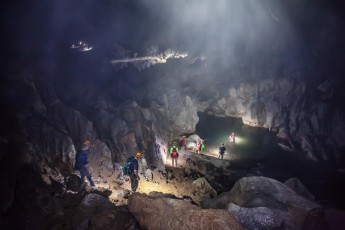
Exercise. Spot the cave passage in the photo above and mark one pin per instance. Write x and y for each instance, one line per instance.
(257, 153)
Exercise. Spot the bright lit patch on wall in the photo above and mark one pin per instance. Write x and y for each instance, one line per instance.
(153, 59)
(81, 46)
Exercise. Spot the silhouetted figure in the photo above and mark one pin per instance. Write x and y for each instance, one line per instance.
(221, 151)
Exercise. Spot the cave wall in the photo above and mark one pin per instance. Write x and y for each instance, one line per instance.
(53, 130)
(302, 118)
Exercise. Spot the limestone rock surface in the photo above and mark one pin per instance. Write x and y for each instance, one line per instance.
(158, 213)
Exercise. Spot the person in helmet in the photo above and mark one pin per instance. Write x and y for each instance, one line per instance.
(221, 151)
(82, 164)
(232, 138)
(174, 155)
(133, 168)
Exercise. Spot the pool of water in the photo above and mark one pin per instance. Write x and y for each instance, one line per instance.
(251, 143)
(257, 152)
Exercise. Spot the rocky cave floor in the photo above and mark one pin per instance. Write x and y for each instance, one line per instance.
(178, 181)
(46, 199)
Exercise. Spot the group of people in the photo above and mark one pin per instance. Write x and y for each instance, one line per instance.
(174, 150)
(82, 160)
(199, 145)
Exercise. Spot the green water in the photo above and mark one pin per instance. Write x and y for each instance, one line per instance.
(257, 153)
(251, 143)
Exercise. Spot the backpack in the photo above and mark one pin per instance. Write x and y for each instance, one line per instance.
(126, 167)
(173, 149)
(174, 153)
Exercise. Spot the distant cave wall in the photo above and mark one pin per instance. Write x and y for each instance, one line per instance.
(299, 116)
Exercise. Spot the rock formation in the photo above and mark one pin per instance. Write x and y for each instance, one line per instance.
(167, 213)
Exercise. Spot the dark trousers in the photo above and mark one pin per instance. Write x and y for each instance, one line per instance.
(221, 155)
(84, 172)
(134, 182)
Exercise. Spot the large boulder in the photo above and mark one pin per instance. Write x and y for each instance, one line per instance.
(204, 188)
(158, 213)
(259, 191)
(270, 195)
(296, 185)
(262, 217)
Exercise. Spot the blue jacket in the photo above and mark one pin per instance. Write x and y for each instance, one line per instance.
(222, 149)
(82, 159)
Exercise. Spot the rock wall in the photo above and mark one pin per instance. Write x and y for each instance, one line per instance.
(167, 213)
(301, 119)
(53, 129)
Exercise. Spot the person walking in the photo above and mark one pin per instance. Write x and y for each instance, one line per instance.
(133, 167)
(82, 164)
(221, 151)
(174, 155)
(202, 145)
(232, 138)
(198, 146)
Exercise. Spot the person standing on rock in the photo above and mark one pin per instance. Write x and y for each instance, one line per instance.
(174, 155)
(133, 168)
(183, 143)
(82, 164)
(221, 151)
(202, 141)
(198, 146)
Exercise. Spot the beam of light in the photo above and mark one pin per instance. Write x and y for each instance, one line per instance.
(272, 15)
(147, 61)
(240, 140)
